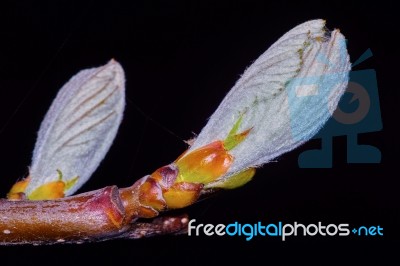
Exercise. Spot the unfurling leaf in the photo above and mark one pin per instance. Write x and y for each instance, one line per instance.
(283, 99)
(76, 133)
(280, 102)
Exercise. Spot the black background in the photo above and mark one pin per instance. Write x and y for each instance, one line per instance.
(180, 59)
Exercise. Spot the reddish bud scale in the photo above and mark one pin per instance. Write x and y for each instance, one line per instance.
(181, 183)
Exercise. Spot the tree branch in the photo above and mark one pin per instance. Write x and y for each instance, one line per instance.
(98, 215)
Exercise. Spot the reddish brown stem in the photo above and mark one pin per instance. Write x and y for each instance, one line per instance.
(93, 216)
(158, 226)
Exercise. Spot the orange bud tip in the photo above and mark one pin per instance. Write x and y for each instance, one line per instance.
(51, 190)
(205, 164)
(18, 189)
(182, 194)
